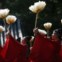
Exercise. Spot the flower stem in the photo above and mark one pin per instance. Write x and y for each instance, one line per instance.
(36, 20)
(8, 29)
(5, 25)
(48, 34)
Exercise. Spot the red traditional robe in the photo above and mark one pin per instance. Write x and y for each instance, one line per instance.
(27, 52)
(58, 49)
(12, 51)
(0, 48)
(1, 59)
(60, 54)
(44, 50)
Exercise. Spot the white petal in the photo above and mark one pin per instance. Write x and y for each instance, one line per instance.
(38, 6)
(42, 31)
(10, 19)
(2, 28)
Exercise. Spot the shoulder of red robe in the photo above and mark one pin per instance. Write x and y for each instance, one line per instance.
(11, 49)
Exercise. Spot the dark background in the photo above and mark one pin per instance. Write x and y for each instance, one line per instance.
(52, 13)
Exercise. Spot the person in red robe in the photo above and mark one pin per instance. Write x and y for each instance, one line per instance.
(13, 50)
(44, 49)
(57, 37)
(26, 42)
(39, 52)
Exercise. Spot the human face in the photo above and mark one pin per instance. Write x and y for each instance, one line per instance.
(54, 37)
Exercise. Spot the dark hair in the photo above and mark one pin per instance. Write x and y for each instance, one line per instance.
(19, 39)
(28, 40)
(58, 32)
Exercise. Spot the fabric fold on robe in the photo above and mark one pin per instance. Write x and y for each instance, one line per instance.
(2, 59)
(60, 54)
(1, 48)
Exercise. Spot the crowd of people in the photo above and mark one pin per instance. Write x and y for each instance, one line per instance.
(37, 48)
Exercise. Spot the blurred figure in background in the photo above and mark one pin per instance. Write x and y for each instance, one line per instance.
(57, 38)
(57, 34)
(28, 42)
(19, 39)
